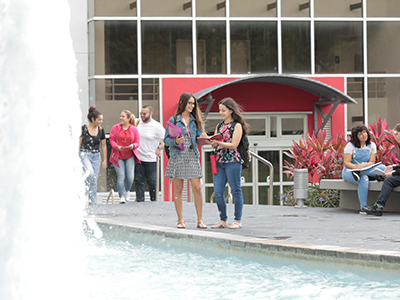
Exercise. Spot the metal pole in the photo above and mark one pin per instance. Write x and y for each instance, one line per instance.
(157, 177)
(271, 174)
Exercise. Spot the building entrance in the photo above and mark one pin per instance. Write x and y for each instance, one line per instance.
(271, 135)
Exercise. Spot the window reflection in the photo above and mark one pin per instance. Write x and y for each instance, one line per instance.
(255, 8)
(384, 100)
(254, 47)
(167, 47)
(211, 47)
(296, 47)
(295, 8)
(338, 47)
(113, 96)
(292, 126)
(383, 47)
(120, 47)
(342, 8)
(355, 112)
(383, 8)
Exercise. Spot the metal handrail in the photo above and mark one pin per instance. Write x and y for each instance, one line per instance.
(271, 175)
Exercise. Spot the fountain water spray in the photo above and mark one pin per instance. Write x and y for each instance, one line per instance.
(42, 246)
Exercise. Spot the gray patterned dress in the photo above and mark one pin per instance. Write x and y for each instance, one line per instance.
(185, 165)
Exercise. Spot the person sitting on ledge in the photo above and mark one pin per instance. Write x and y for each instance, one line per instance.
(392, 180)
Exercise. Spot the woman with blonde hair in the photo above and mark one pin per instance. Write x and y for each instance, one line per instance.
(185, 164)
(124, 140)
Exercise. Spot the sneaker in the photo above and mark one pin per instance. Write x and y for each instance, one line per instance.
(374, 209)
(127, 195)
(356, 175)
(363, 211)
(122, 200)
(380, 177)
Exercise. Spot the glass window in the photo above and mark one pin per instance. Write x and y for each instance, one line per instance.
(254, 47)
(342, 8)
(355, 112)
(111, 96)
(296, 47)
(210, 125)
(338, 47)
(162, 8)
(257, 126)
(292, 126)
(211, 47)
(210, 8)
(383, 44)
(383, 8)
(383, 100)
(273, 126)
(263, 169)
(295, 8)
(254, 8)
(151, 95)
(120, 48)
(121, 8)
(263, 192)
(167, 47)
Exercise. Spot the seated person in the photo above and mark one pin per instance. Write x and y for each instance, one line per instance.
(392, 180)
(360, 153)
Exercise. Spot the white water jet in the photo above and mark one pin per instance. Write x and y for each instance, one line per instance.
(42, 246)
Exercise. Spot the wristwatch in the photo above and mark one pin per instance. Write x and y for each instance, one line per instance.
(159, 148)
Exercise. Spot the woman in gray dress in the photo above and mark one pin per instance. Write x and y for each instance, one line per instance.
(185, 164)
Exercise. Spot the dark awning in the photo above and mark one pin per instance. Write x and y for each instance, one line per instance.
(324, 91)
(327, 95)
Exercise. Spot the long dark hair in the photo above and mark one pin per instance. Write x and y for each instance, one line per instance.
(354, 138)
(196, 112)
(93, 114)
(237, 113)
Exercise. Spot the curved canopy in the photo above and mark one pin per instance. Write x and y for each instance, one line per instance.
(324, 91)
(326, 94)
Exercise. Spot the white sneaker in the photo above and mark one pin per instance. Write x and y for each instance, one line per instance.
(127, 195)
(122, 200)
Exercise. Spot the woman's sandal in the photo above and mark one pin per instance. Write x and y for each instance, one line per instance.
(236, 225)
(181, 225)
(201, 225)
(220, 224)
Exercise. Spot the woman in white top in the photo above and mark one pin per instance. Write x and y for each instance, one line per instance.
(360, 153)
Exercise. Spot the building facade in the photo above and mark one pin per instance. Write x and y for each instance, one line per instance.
(140, 49)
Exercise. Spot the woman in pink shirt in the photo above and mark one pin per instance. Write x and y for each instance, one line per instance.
(124, 140)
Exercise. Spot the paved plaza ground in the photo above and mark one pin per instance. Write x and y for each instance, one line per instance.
(310, 225)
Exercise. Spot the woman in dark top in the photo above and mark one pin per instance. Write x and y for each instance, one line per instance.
(229, 161)
(89, 151)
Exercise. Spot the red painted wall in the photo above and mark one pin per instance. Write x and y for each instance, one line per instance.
(253, 97)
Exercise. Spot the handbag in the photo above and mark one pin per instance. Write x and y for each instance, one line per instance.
(213, 163)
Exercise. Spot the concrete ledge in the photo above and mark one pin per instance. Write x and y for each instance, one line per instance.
(349, 196)
(387, 260)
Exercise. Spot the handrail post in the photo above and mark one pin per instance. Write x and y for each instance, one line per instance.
(271, 173)
(157, 176)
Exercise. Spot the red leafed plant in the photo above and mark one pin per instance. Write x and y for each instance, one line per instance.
(324, 158)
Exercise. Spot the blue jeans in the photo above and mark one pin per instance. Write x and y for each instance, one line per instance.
(363, 184)
(145, 171)
(91, 166)
(388, 185)
(125, 175)
(230, 172)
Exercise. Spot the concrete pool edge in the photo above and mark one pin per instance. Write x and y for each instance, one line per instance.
(383, 259)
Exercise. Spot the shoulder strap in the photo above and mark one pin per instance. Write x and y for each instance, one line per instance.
(175, 117)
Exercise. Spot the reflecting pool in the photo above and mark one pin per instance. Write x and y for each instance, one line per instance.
(159, 268)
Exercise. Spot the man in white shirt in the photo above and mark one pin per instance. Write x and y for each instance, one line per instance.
(151, 144)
